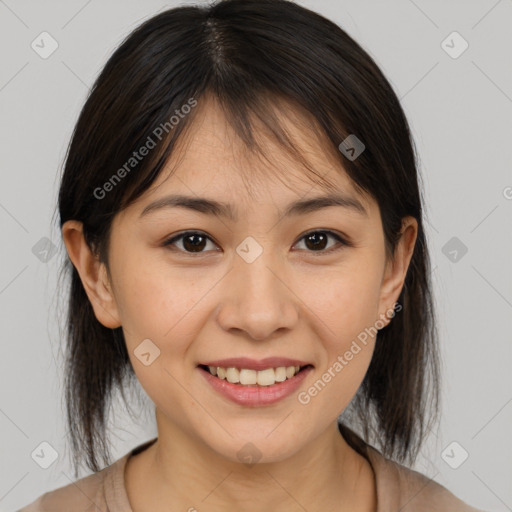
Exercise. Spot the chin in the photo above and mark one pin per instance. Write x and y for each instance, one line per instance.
(256, 449)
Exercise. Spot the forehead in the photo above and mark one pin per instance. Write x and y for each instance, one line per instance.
(211, 159)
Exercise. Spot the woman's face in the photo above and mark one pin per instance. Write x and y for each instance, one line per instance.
(249, 285)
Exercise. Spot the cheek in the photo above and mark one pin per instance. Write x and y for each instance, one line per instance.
(345, 301)
(154, 300)
(345, 310)
(157, 306)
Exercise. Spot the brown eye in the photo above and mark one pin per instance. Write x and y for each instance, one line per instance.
(192, 242)
(317, 241)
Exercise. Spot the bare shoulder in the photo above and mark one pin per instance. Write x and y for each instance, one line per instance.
(83, 495)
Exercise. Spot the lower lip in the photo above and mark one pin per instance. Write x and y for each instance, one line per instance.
(256, 395)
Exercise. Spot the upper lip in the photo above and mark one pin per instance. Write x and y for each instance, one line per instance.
(254, 364)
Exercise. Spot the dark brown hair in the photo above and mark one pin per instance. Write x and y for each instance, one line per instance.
(251, 56)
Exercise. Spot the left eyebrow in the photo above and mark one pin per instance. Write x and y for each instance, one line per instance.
(219, 209)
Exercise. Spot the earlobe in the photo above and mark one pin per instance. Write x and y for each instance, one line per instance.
(396, 269)
(92, 273)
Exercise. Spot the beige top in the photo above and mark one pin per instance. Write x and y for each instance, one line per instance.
(398, 488)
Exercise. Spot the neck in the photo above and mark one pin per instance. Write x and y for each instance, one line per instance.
(178, 471)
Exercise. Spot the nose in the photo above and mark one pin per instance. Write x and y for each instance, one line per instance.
(257, 299)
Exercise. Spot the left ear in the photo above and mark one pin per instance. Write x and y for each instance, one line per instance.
(396, 269)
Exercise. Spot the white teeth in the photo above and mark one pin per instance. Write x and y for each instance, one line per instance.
(280, 374)
(232, 375)
(266, 377)
(290, 371)
(248, 377)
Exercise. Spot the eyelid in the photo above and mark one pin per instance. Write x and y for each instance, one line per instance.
(168, 242)
(343, 240)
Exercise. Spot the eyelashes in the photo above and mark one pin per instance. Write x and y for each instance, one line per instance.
(198, 240)
(198, 234)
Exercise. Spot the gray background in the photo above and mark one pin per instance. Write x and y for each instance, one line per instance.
(460, 110)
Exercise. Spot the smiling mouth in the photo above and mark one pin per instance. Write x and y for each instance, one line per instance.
(247, 377)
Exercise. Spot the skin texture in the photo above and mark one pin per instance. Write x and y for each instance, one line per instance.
(294, 300)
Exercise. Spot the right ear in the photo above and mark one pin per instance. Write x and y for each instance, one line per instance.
(93, 274)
